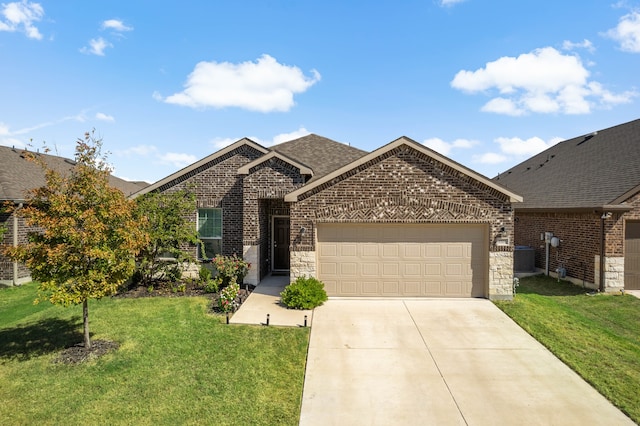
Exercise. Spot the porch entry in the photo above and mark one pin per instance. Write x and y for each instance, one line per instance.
(280, 243)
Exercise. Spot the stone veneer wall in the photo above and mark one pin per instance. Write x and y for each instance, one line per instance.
(613, 273)
(405, 186)
(501, 275)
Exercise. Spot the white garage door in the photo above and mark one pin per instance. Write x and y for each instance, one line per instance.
(403, 260)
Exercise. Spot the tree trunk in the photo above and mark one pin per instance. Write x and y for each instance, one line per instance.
(85, 320)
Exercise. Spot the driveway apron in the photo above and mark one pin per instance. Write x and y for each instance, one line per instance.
(438, 362)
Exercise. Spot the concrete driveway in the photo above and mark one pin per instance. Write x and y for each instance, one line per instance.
(438, 362)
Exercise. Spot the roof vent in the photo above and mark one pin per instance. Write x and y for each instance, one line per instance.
(587, 137)
(73, 163)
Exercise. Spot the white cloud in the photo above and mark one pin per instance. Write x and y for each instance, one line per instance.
(21, 16)
(525, 147)
(543, 81)
(284, 137)
(490, 158)
(104, 117)
(138, 150)
(178, 160)
(447, 3)
(627, 33)
(264, 85)
(96, 46)
(220, 143)
(115, 25)
(445, 148)
(584, 44)
(515, 149)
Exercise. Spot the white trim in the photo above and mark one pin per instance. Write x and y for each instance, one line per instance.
(513, 197)
(304, 170)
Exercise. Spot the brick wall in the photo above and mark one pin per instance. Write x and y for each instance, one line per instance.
(218, 185)
(580, 236)
(264, 189)
(406, 186)
(581, 240)
(402, 186)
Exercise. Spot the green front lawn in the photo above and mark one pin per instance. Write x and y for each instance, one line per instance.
(177, 364)
(596, 335)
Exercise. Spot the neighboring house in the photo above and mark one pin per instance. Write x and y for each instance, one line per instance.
(17, 176)
(400, 221)
(585, 191)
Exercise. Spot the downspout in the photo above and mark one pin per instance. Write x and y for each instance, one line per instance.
(15, 243)
(602, 219)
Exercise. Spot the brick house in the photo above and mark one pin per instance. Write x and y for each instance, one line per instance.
(400, 221)
(17, 176)
(586, 192)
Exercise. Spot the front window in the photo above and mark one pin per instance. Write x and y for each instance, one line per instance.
(210, 232)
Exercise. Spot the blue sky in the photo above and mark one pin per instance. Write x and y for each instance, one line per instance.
(486, 83)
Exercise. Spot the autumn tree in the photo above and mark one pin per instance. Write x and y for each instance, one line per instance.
(169, 230)
(87, 232)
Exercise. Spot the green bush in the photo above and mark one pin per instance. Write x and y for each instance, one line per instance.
(304, 293)
(230, 270)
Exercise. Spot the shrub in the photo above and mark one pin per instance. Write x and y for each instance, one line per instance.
(227, 299)
(230, 269)
(208, 285)
(304, 293)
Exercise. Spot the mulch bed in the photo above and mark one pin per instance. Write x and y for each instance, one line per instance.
(78, 353)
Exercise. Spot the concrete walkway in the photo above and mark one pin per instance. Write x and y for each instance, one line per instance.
(438, 362)
(265, 299)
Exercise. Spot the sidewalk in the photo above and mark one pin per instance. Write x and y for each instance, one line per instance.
(265, 299)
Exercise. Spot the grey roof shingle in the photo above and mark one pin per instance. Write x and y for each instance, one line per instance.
(18, 174)
(320, 154)
(592, 170)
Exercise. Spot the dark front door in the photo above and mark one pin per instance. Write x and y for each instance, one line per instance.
(280, 243)
(632, 256)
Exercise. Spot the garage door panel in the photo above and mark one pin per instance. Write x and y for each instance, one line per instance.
(412, 270)
(412, 288)
(328, 268)
(369, 250)
(348, 269)
(328, 249)
(390, 250)
(432, 270)
(349, 288)
(390, 288)
(390, 270)
(370, 288)
(411, 251)
(370, 269)
(403, 260)
(348, 250)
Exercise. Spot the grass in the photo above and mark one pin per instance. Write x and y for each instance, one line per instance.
(598, 335)
(177, 364)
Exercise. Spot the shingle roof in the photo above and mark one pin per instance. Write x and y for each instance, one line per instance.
(588, 171)
(320, 154)
(18, 175)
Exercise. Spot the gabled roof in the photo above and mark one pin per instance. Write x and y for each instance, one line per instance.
(320, 154)
(177, 175)
(293, 196)
(304, 170)
(598, 171)
(18, 174)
